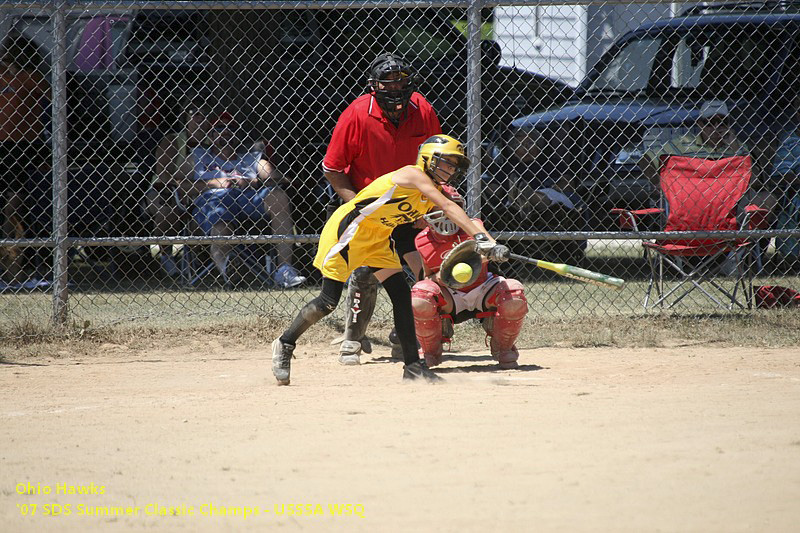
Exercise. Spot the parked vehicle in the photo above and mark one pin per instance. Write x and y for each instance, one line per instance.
(650, 85)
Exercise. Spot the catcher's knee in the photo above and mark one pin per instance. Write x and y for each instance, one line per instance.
(509, 299)
(426, 299)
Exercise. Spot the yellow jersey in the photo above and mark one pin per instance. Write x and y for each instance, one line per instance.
(359, 231)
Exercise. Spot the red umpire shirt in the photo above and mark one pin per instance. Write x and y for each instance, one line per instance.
(365, 145)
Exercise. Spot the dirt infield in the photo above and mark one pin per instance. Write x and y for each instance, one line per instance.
(690, 438)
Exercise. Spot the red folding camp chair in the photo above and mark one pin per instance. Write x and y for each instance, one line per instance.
(701, 195)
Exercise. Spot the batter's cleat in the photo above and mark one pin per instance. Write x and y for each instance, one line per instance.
(419, 370)
(350, 353)
(282, 354)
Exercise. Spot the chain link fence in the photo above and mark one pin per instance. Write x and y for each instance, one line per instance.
(115, 113)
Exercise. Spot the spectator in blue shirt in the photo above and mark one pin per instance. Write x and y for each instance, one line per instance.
(787, 158)
(231, 185)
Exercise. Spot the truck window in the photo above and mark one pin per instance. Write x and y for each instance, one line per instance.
(688, 62)
(630, 69)
(738, 62)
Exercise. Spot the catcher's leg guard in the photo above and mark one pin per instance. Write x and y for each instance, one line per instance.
(427, 301)
(504, 327)
(362, 294)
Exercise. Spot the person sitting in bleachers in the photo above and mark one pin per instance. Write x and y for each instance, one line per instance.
(715, 139)
(173, 166)
(229, 184)
(785, 179)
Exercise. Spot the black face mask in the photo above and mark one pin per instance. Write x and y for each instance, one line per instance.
(390, 97)
(458, 174)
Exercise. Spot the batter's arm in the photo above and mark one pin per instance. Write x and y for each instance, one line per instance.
(413, 177)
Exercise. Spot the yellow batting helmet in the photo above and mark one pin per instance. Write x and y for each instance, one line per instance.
(434, 149)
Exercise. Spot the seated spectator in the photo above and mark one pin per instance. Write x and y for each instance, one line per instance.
(786, 168)
(786, 182)
(229, 185)
(23, 92)
(715, 139)
(534, 193)
(174, 164)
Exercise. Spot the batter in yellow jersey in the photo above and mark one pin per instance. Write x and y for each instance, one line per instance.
(359, 232)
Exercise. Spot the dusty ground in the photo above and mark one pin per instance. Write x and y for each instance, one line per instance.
(673, 439)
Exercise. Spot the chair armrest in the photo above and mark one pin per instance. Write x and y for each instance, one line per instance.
(628, 217)
(755, 217)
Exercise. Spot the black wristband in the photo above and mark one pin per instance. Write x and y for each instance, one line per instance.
(481, 237)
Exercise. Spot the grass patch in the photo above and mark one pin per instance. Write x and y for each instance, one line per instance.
(562, 313)
(759, 329)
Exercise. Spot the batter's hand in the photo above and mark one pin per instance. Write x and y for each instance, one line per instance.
(488, 248)
(499, 253)
(484, 243)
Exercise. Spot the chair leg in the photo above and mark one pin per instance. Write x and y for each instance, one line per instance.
(745, 274)
(190, 275)
(651, 262)
(696, 277)
(261, 271)
(660, 280)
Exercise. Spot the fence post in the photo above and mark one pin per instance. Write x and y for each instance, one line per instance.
(474, 106)
(59, 140)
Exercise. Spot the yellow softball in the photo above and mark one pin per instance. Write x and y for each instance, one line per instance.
(462, 272)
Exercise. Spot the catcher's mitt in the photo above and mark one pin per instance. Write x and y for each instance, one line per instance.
(466, 252)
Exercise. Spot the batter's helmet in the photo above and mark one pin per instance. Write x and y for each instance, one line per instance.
(434, 149)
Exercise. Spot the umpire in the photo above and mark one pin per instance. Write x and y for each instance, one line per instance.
(378, 133)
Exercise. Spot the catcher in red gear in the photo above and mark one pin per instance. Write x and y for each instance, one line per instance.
(499, 303)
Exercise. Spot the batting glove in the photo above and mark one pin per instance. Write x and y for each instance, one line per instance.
(499, 253)
(484, 244)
